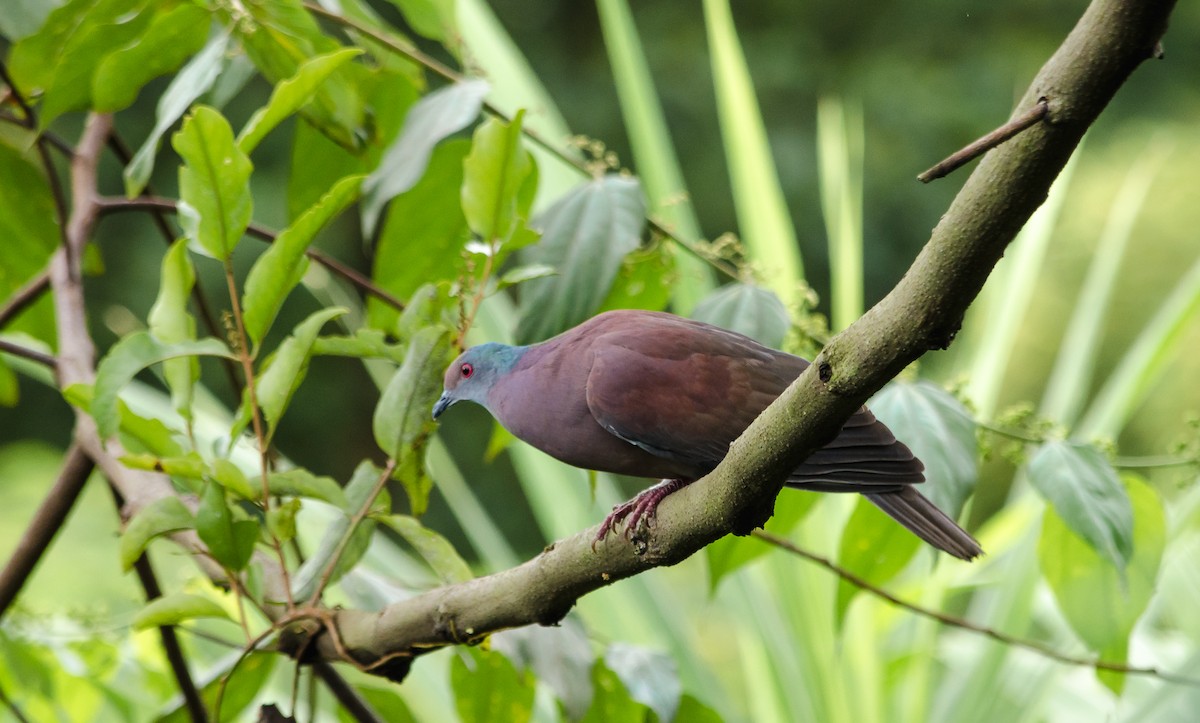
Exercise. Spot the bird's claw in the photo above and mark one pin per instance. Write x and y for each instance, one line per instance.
(637, 510)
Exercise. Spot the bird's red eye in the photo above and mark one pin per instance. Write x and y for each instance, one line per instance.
(466, 370)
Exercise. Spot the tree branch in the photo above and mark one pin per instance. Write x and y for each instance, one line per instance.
(923, 312)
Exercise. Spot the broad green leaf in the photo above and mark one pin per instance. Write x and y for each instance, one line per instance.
(940, 431)
(196, 77)
(561, 657)
(214, 185)
(170, 323)
(357, 490)
(650, 677)
(1101, 604)
(424, 233)
(280, 36)
(1087, 494)
(751, 310)
(766, 228)
(31, 61)
(140, 433)
(27, 219)
(291, 95)
(433, 548)
(275, 386)
(521, 274)
(160, 517)
(172, 37)
(436, 116)
(434, 19)
(103, 28)
(177, 608)
(733, 552)
(230, 476)
(281, 520)
(488, 688)
(875, 547)
(645, 280)
(365, 344)
(586, 236)
(282, 266)
(302, 483)
(230, 540)
(494, 173)
(611, 701)
(128, 357)
(403, 412)
(693, 711)
(188, 465)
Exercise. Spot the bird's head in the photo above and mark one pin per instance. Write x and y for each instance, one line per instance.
(473, 374)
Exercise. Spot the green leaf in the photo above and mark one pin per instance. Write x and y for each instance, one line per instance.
(751, 310)
(650, 677)
(177, 608)
(645, 280)
(10, 389)
(302, 483)
(402, 414)
(27, 219)
(489, 688)
(128, 357)
(733, 552)
(363, 481)
(275, 386)
(436, 116)
(281, 520)
(172, 37)
(423, 234)
(230, 476)
(521, 274)
(611, 701)
(282, 266)
(365, 344)
(434, 19)
(766, 228)
(493, 176)
(1101, 604)
(940, 431)
(214, 186)
(874, 547)
(160, 517)
(586, 236)
(170, 323)
(291, 95)
(230, 541)
(193, 81)
(1087, 494)
(433, 548)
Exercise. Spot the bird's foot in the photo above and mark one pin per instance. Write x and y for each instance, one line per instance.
(642, 507)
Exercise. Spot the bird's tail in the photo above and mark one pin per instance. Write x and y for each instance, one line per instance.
(911, 509)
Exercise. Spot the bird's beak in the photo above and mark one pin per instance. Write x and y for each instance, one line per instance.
(442, 404)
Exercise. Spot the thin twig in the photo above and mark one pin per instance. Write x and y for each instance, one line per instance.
(30, 120)
(26, 353)
(449, 74)
(170, 642)
(12, 707)
(46, 522)
(24, 296)
(352, 702)
(962, 624)
(118, 205)
(986, 143)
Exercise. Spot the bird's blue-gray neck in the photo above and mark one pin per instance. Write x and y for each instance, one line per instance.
(502, 358)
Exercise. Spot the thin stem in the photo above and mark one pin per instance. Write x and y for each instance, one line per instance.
(12, 707)
(24, 296)
(977, 148)
(170, 642)
(27, 353)
(962, 624)
(359, 516)
(351, 701)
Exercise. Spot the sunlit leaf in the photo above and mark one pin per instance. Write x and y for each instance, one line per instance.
(364, 344)
(611, 700)
(433, 548)
(302, 483)
(751, 310)
(494, 173)
(873, 547)
(275, 386)
(646, 280)
(214, 184)
(230, 540)
(128, 357)
(1087, 494)
(230, 476)
(436, 116)
(357, 490)
(291, 95)
(1101, 604)
(403, 411)
(176, 608)
(160, 517)
(488, 688)
(282, 265)
(189, 84)
(521, 274)
(586, 236)
(170, 323)
(940, 432)
(435, 19)
(172, 37)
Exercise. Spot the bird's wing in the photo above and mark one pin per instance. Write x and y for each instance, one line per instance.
(684, 396)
